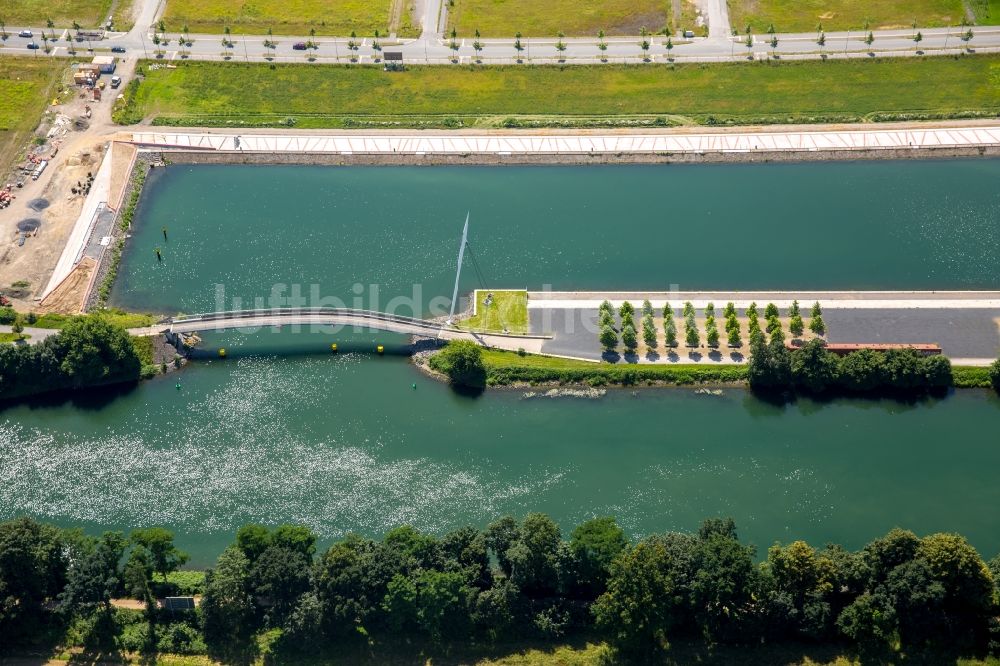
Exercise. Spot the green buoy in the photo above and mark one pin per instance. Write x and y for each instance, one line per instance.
(413, 386)
(177, 386)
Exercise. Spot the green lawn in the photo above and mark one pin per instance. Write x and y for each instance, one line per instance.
(504, 368)
(987, 11)
(283, 17)
(806, 15)
(505, 18)
(508, 310)
(7, 338)
(306, 96)
(88, 13)
(26, 88)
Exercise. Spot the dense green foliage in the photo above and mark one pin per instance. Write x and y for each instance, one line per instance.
(462, 362)
(86, 352)
(814, 369)
(514, 579)
(995, 374)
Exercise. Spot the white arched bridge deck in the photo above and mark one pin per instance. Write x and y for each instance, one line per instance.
(346, 317)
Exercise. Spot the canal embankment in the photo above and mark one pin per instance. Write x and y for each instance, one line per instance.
(498, 148)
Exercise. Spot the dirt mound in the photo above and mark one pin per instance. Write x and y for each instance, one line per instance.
(38, 205)
(29, 225)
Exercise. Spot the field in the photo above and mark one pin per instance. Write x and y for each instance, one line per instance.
(26, 87)
(283, 17)
(508, 310)
(505, 18)
(987, 11)
(806, 15)
(307, 96)
(88, 13)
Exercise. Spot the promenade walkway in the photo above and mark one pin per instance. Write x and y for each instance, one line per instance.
(830, 300)
(966, 324)
(580, 143)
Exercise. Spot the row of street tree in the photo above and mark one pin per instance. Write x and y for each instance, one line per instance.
(623, 329)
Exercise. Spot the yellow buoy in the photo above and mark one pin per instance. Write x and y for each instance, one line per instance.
(380, 349)
(222, 352)
(333, 347)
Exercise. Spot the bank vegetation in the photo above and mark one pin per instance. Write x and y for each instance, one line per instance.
(472, 592)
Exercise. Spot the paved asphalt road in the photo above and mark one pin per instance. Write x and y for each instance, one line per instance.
(970, 333)
(432, 48)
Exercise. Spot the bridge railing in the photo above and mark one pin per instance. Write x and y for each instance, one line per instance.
(210, 317)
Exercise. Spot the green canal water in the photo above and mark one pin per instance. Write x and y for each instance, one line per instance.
(284, 431)
(867, 225)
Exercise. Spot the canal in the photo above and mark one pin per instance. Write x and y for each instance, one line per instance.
(283, 431)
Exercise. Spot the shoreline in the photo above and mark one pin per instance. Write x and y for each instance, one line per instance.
(570, 147)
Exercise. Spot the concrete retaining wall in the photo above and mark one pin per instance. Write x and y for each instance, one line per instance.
(492, 159)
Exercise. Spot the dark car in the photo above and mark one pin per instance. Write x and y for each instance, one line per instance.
(33, 45)
(25, 33)
(299, 46)
(118, 49)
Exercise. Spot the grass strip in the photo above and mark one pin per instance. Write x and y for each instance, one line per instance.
(508, 310)
(504, 368)
(335, 96)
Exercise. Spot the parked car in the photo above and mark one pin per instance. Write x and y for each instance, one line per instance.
(116, 81)
(688, 34)
(33, 45)
(25, 33)
(299, 46)
(118, 49)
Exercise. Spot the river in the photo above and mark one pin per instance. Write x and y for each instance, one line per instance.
(282, 430)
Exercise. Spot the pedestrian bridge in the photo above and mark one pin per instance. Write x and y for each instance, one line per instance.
(341, 317)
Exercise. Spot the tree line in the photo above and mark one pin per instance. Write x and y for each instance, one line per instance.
(815, 369)
(270, 595)
(87, 352)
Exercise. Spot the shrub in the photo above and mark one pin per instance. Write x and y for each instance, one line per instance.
(995, 375)
(462, 362)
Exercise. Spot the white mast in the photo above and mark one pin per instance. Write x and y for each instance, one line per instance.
(458, 271)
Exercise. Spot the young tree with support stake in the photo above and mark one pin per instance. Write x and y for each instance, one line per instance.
(691, 336)
(608, 338)
(711, 331)
(816, 323)
(733, 331)
(795, 324)
(629, 338)
(669, 327)
(649, 331)
(477, 45)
